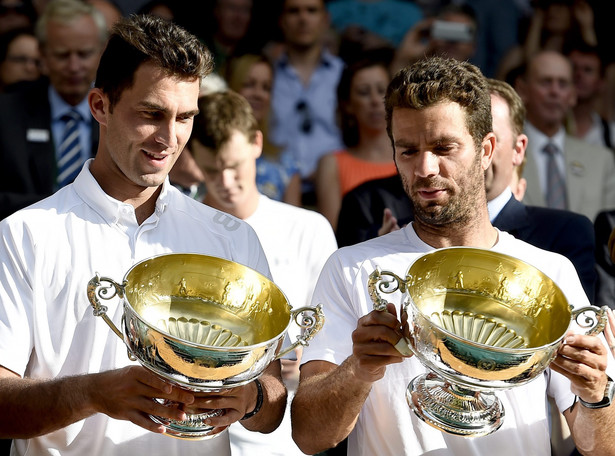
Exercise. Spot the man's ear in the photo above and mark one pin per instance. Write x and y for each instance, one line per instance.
(488, 147)
(99, 105)
(519, 151)
(258, 143)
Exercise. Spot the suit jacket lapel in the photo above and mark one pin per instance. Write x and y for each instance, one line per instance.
(513, 217)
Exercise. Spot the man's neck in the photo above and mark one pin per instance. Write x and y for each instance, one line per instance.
(145, 207)
(478, 233)
(117, 186)
(304, 60)
(546, 128)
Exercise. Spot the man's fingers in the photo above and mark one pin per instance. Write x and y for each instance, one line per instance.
(146, 422)
(380, 318)
(583, 342)
(376, 333)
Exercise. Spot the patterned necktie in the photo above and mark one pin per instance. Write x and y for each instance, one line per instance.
(69, 161)
(556, 186)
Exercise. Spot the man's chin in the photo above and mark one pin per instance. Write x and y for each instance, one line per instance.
(151, 180)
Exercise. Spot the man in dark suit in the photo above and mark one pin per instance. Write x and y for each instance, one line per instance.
(564, 232)
(362, 214)
(72, 35)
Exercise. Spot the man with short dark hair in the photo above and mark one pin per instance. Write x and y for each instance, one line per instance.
(353, 378)
(66, 384)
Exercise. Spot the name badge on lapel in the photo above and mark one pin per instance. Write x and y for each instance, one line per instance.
(577, 169)
(37, 135)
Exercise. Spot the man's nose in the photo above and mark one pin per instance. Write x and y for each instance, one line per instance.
(426, 164)
(167, 135)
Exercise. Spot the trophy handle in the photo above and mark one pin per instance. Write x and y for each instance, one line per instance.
(593, 323)
(96, 290)
(310, 324)
(376, 284)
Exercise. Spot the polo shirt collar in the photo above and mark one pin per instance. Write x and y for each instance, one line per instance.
(110, 209)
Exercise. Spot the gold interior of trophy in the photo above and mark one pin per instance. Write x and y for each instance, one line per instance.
(207, 300)
(489, 298)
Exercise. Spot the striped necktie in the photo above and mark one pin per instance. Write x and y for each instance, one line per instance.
(556, 186)
(69, 160)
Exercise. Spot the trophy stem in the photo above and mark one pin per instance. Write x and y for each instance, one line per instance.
(193, 427)
(454, 409)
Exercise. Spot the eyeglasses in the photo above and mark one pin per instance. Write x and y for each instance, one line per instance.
(305, 124)
(23, 60)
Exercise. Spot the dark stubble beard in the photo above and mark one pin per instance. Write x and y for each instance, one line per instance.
(462, 205)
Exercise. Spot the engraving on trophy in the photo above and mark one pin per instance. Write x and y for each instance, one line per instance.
(183, 291)
(459, 280)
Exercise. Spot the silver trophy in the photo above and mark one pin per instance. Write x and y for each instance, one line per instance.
(202, 323)
(480, 322)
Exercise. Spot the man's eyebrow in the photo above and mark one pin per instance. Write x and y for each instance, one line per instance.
(157, 107)
(444, 139)
(152, 106)
(404, 143)
(190, 113)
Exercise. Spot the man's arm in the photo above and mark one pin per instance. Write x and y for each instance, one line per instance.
(583, 360)
(335, 394)
(32, 407)
(127, 394)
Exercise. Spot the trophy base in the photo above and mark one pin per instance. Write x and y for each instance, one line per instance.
(192, 428)
(453, 409)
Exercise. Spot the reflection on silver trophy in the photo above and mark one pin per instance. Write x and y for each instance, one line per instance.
(479, 321)
(202, 323)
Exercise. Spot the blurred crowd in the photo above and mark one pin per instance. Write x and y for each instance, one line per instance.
(314, 73)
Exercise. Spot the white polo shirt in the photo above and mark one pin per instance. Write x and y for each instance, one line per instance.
(386, 425)
(49, 252)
